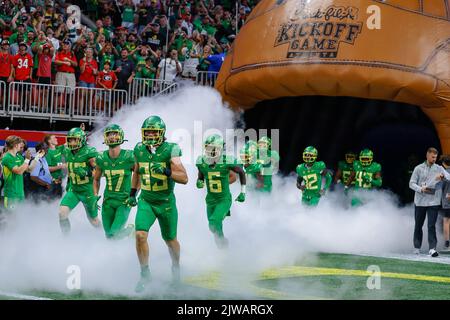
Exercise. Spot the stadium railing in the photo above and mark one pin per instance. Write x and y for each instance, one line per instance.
(206, 78)
(149, 88)
(55, 102)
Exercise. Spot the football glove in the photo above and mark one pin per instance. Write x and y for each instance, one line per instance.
(96, 205)
(81, 172)
(200, 183)
(141, 170)
(158, 168)
(131, 201)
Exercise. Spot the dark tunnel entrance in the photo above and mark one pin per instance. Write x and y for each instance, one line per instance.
(397, 133)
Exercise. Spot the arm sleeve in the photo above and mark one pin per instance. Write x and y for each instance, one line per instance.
(413, 182)
(445, 173)
(328, 179)
(36, 170)
(176, 151)
(8, 162)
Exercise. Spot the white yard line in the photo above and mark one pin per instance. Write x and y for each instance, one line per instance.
(442, 259)
(21, 296)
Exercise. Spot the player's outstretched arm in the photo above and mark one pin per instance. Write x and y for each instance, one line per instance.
(135, 181)
(240, 171)
(338, 176)
(377, 180)
(200, 180)
(328, 178)
(97, 177)
(299, 183)
(178, 172)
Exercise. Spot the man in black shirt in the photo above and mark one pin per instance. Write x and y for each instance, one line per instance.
(124, 70)
(153, 37)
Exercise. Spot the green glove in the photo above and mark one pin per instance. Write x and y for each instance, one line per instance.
(96, 202)
(131, 202)
(81, 172)
(157, 168)
(200, 183)
(367, 179)
(141, 170)
(240, 197)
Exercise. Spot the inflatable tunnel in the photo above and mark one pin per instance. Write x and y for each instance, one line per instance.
(345, 74)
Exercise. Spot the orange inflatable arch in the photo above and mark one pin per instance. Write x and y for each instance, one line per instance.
(397, 50)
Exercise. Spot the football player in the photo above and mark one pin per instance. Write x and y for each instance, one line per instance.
(345, 168)
(311, 173)
(158, 168)
(214, 168)
(116, 165)
(366, 174)
(268, 159)
(248, 159)
(80, 159)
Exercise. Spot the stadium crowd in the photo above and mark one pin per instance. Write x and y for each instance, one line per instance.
(45, 42)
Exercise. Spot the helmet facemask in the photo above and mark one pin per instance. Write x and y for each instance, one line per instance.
(73, 142)
(152, 136)
(213, 152)
(350, 158)
(113, 138)
(366, 160)
(309, 157)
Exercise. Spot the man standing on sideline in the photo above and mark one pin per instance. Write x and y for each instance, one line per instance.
(55, 164)
(427, 199)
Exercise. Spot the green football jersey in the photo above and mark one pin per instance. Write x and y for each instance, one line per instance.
(54, 157)
(156, 187)
(117, 173)
(13, 182)
(311, 175)
(80, 159)
(217, 177)
(364, 174)
(346, 170)
(268, 162)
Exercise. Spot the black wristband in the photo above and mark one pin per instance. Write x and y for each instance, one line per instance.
(133, 192)
(167, 172)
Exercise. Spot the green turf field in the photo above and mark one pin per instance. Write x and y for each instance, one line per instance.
(320, 276)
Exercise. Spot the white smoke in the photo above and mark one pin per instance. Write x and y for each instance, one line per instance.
(265, 231)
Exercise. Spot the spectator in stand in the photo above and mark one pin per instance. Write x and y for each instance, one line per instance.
(41, 40)
(88, 73)
(45, 53)
(23, 63)
(152, 36)
(124, 70)
(88, 69)
(106, 80)
(107, 54)
(6, 60)
(169, 67)
(127, 9)
(44, 72)
(6, 70)
(50, 36)
(14, 48)
(66, 62)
